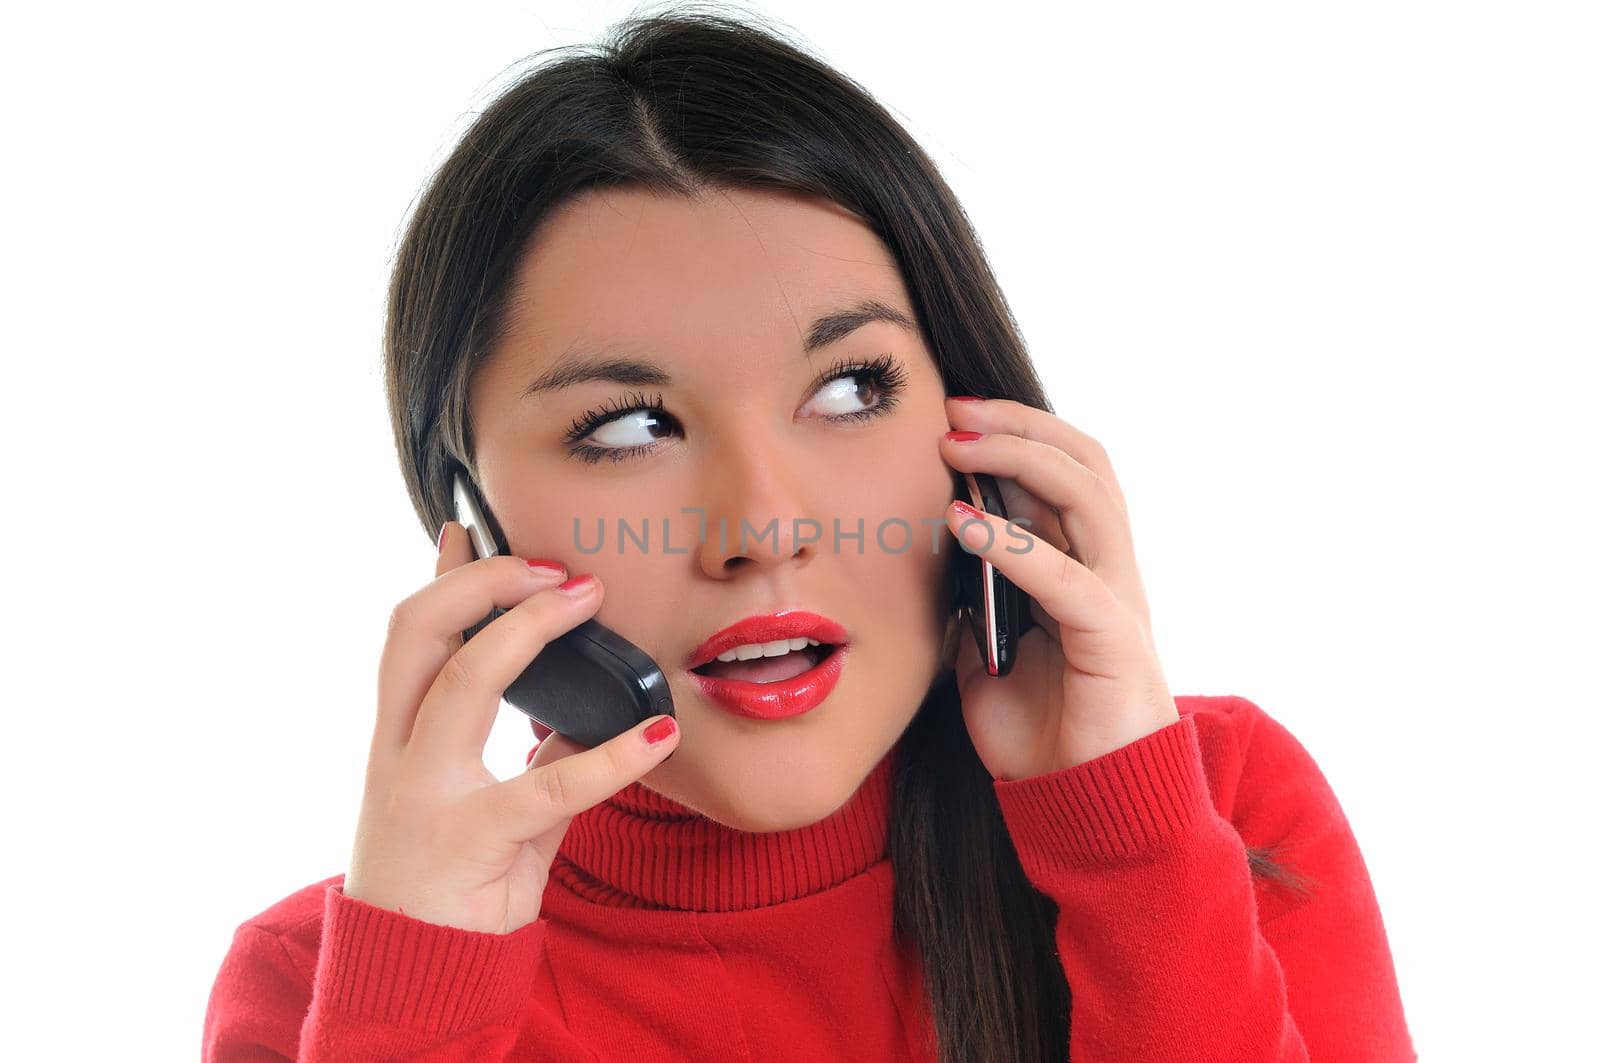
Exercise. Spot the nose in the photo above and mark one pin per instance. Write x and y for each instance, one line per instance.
(755, 515)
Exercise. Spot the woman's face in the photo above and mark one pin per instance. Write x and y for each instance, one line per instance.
(720, 294)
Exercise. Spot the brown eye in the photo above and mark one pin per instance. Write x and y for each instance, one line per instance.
(636, 428)
(856, 391)
(850, 393)
(620, 430)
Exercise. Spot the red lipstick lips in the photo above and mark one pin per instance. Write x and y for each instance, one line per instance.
(777, 700)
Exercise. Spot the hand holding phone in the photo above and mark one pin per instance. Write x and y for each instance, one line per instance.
(439, 838)
(590, 684)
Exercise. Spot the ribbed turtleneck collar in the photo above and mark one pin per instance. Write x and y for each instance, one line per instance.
(639, 849)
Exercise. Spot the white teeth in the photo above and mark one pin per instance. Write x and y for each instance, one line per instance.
(749, 651)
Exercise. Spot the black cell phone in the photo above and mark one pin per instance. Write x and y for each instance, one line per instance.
(997, 609)
(589, 684)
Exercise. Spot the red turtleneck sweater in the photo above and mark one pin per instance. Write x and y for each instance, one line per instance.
(665, 935)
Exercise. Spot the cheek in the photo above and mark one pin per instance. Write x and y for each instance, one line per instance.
(571, 521)
(902, 478)
(902, 524)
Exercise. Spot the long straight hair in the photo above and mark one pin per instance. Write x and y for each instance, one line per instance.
(686, 103)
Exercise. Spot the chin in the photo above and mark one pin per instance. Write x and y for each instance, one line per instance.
(762, 801)
(793, 814)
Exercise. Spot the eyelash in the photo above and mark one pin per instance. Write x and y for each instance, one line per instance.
(887, 375)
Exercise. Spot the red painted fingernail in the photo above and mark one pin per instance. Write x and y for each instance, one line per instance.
(577, 584)
(660, 730)
(963, 437)
(966, 398)
(966, 510)
(442, 529)
(539, 563)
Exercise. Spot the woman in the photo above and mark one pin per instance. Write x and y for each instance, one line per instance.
(701, 273)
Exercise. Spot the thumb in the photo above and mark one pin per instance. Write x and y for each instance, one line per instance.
(569, 777)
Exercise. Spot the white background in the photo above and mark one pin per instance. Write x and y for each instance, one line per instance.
(1322, 278)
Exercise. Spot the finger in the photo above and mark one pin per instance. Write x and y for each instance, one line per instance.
(1020, 419)
(1098, 633)
(425, 632)
(1024, 508)
(1081, 518)
(572, 778)
(459, 709)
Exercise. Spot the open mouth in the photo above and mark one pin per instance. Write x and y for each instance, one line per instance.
(772, 664)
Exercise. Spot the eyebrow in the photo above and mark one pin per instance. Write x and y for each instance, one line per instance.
(830, 328)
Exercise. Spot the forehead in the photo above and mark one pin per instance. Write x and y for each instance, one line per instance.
(751, 267)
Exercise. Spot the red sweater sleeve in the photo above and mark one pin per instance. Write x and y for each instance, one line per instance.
(1166, 950)
(385, 986)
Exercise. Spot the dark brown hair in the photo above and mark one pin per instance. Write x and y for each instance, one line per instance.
(684, 103)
